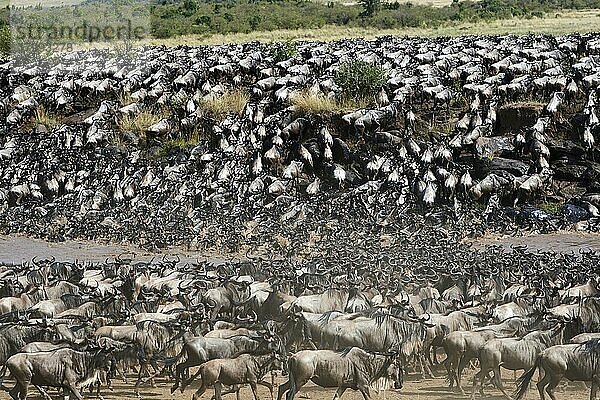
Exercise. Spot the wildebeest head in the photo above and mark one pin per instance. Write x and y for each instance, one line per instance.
(395, 372)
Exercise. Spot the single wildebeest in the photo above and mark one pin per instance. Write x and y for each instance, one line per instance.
(355, 369)
(576, 362)
(63, 368)
(246, 368)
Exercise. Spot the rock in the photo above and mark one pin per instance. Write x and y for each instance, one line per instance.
(568, 171)
(564, 148)
(517, 116)
(488, 147)
(574, 213)
(485, 166)
(40, 129)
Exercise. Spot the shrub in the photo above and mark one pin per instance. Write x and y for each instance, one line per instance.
(4, 41)
(283, 51)
(360, 79)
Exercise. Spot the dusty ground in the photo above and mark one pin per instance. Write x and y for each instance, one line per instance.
(16, 249)
(414, 389)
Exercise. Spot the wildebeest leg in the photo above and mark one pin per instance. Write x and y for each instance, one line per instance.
(71, 388)
(283, 388)
(594, 388)
(19, 392)
(481, 376)
(295, 386)
(202, 389)
(185, 383)
(462, 363)
(178, 372)
(253, 387)
(268, 386)
(339, 392)
(365, 392)
(555, 380)
(434, 349)
(498, 382)
(14, 392)
(217, 390)
(44, 394)
(541, 385)
(450, 366)
(425, 365)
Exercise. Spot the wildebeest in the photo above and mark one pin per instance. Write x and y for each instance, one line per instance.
(354, 368)
(246, 368)
(63, 368)
(201, 349)
(518, 353)
(576, 362)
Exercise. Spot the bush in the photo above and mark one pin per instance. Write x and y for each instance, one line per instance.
(360, 79)
(283, 51)
(4, 41)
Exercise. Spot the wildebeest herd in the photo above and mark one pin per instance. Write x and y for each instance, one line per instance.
(348, 227)
(502, 121)
(354, 324)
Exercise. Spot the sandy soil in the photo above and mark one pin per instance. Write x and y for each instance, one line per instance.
(563, 242)
(14, 248)
(414, 389)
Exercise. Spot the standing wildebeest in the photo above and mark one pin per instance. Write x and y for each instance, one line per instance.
(576, 362)
(62, 368)
(518, 353)
(355, 369)
(462, 346)
(13, 337)
(200, 349)
(236, 371)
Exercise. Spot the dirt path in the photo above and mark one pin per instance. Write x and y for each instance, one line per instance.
(562, 242)
(15, 249)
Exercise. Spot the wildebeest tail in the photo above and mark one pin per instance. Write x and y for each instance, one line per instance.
(523, 383)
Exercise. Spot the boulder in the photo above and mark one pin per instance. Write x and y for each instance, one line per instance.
(487, 165)
(515, 117)
(488, 147)
(560, 148)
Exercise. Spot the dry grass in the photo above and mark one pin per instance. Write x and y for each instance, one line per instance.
(231, 102)
(307, 103)
(42, 117)
(316, 104)
(125, 99)
(138, 124)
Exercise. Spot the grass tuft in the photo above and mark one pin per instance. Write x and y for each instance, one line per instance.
(231, 102)
(138, 124)
(42, 117)
(307, 103)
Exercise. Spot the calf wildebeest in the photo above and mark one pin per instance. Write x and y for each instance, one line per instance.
(576, 362)
(354, 368)
(237, 371)
(63, 368)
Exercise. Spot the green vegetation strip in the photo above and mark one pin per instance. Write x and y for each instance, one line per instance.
(175, 19)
